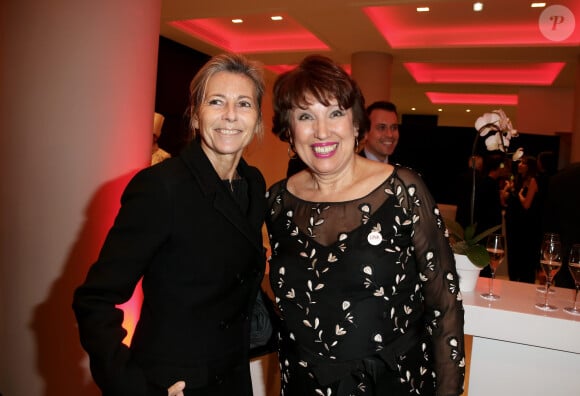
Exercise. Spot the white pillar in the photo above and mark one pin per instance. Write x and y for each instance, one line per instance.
(77, 99)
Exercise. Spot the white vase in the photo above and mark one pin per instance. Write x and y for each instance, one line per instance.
(467, 271)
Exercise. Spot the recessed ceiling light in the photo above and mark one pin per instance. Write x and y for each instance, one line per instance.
(538, 5)
(422, 9)
(413, 108)
(477, 6)
(439, 110)
(237, 20)
(468, 110)
(276, 18)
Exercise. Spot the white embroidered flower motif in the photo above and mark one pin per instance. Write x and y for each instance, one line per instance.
(368, 271)
(339, 330)
(366, 211)
(453, 343)
(348, 316)
(321, 393)
(453, 285)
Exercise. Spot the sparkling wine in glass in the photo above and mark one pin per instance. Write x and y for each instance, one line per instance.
(550, 261)
(574, 267)
(547, 236)
(496, 249)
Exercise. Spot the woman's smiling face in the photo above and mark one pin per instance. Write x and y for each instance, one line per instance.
(228, 116)
(323, 136)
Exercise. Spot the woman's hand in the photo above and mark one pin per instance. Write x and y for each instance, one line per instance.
(176, 389)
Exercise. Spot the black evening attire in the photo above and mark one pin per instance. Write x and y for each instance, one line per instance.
(368, 293)
(524, 235)
(198, 248)
(562, 215)
(488, 209)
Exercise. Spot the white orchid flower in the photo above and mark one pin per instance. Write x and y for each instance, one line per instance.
(497, 129)
(486, 123)
(518, 154)
(500, 124)
(493, 142)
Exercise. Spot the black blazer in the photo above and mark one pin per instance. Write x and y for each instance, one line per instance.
(201, 260)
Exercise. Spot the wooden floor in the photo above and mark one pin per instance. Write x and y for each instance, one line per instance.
(468, 344)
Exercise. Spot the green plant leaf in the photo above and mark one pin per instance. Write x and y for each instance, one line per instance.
(485, 233)
(469, 233)
(478, 255)
(454, 229)
(466, 242)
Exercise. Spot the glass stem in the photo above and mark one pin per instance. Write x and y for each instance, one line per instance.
(547, 292)
(576, 297)
(491, 283)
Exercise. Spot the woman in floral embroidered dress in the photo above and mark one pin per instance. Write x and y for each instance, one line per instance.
(361, 266)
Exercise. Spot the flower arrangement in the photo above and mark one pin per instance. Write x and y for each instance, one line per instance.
(498, 131)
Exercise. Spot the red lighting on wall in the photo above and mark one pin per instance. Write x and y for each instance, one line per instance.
(279, 69)
(131, 312)
(252, 36)
(468, 98)
(512, 23)
(509, 74)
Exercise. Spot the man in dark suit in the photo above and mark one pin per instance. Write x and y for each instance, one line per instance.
(380, 141)
(561, 215)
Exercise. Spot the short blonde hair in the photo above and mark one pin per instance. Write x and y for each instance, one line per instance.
(228, 62)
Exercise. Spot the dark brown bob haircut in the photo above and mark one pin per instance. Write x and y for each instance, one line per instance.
(324, 80)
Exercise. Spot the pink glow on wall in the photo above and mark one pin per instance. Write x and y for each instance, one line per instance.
(250, 37)
(513, 23)
(510, 74)
(131, 310)
(468, 98)
(279, 69)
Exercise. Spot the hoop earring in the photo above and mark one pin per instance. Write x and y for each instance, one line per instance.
(291, 152)
(355, 145)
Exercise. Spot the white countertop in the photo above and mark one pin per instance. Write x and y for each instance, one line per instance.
(513, 318)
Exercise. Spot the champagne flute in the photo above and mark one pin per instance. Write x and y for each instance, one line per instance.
(551, 261)
(547, 236)
(574, 267)
(496, 249)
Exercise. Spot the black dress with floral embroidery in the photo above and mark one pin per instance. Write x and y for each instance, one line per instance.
(368, 293)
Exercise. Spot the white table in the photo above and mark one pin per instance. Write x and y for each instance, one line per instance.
(519, 349)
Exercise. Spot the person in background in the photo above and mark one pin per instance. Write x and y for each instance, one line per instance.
(190, 228)
(523, 222)
(488, 206)
(362, 270)
(561, 215)
(380, 141)
(547, 167)
(157, 153)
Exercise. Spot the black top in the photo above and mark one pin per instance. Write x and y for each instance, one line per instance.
(201, 261)
(371, 277)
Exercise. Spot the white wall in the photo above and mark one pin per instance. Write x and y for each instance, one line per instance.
(76, 107)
